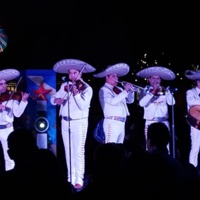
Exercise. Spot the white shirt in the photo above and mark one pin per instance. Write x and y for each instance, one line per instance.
(192, 97)
(17, 109)
(78, 105)
(158, 106)
(114, 104)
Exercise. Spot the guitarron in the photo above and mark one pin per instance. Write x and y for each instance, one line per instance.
(193, 116)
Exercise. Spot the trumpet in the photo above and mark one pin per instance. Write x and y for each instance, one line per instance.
(134, 88)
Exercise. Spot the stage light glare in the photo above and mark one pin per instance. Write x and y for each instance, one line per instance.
(41, 124)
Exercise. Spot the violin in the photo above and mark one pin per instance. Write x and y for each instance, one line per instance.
(10, 95)
(160, 91)
(157, 91)
(79, 85)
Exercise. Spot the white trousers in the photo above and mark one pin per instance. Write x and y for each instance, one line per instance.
(74, 137)
(195, 146)
(114, 131)
(4, 133)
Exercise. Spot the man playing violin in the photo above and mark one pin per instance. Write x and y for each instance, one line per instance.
(155, 99)
(74, 99)
(9, 109)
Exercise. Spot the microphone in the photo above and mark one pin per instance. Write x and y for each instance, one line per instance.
(172, 89)
(64, 78)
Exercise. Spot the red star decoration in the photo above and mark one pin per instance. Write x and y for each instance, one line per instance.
(40, 93)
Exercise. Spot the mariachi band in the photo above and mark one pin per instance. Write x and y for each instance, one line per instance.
(74, 99)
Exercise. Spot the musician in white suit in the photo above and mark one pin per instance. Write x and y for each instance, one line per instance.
(113, 100)
(155, 98)
(74, 98)
(10, 108)
(193, 99)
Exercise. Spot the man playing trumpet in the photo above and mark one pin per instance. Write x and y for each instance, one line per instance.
(155, 99)
(114, 100)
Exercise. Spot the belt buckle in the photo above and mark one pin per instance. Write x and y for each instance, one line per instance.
(116, 118)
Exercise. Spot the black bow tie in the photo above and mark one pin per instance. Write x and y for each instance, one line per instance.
(116, 90)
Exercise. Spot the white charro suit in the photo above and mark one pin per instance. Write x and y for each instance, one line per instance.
(74, 113)
(13, 109)
(193, 99)
(156, 108)
(115, 111)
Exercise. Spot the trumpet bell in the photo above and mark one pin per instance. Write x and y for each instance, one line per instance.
(134, 88)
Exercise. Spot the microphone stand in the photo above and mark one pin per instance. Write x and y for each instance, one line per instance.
(69, 129)
(173, 128)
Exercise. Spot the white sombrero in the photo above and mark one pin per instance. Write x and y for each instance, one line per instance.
(192, 75)
(121, 69)
(9, 74)
(162, 72)
(64, 66)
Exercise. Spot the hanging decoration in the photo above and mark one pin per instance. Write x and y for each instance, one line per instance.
(3, 39)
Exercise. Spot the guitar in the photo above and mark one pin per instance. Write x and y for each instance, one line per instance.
(193, 116)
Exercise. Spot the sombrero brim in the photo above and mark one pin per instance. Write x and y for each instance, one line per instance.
(192, 75)
(121, 69)
(162, 72)
(64, 66)
(9, 74)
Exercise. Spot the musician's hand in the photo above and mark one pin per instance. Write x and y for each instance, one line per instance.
(2, 107)
(128, 86)
(75, 90)
(155, 90)
(58, 101)
(25, 96)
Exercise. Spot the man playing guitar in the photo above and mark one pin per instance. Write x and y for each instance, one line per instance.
(193, 102)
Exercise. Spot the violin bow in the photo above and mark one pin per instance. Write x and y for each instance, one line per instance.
(14, 90)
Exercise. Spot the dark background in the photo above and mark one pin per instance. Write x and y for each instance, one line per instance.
(100, 32)
(41, 33)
